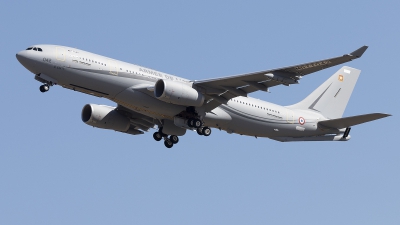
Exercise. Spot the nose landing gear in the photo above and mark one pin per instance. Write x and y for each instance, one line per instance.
(44, 88)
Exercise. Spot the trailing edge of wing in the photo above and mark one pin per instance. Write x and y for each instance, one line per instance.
(241, 85)
(352, 120)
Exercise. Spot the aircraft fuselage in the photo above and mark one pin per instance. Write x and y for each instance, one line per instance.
(128, 85)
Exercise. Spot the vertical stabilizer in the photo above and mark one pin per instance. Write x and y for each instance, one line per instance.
(331, 98)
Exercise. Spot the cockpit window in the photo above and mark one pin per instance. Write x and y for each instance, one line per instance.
(35, 49)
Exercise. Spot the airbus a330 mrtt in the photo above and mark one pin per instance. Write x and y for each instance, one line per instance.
(147, 98)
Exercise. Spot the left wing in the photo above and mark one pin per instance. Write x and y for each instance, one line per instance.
(139, 123)
(223, 89)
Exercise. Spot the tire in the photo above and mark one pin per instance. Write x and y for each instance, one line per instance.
(157, 136)
(43, 88)
(174, 139)
(168, 143)
(190, 122)
(199, 131)
(197, 123)
(206, 131)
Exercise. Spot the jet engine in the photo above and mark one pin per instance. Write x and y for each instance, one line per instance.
(106, 117)
(177, 93)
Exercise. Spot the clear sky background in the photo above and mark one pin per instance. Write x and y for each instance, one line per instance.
(54, 169)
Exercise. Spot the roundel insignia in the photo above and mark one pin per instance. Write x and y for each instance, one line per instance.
(302, 121)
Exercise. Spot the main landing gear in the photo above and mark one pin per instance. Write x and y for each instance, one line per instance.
(194, 123)
(168, 141)
(206, 131)
(44, 88)
(198, 124)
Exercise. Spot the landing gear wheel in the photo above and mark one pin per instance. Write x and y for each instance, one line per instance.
(44, 88)
(197, 123)
(206, 131)
(199, 131)
(168, 143)
(157, 136)
(174, 139)
(190, 122)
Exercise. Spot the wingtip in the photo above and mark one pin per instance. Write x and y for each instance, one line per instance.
(359, 52)
(383, 115)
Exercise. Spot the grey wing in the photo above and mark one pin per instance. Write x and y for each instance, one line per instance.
(139, 123)
(220, 90)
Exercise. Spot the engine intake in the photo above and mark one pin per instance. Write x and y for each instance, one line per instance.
(177, 93)
(106, 117)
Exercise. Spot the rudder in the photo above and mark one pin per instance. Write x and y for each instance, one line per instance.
(331, 98)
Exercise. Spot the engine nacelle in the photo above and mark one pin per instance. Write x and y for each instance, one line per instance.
(177, 93)
(106, 117)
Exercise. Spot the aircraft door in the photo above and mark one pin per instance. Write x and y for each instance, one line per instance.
(112, 65)
(289, 116)
(60, 54)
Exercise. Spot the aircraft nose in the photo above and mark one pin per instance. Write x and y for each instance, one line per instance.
(27, 61)
(21, 56)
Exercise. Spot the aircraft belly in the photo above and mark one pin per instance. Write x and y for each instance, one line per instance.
(111, 85)
(86, 81)
(148, 105)
(246, 123)
(217, 118)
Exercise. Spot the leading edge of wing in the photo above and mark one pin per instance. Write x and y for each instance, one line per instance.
(310, 66)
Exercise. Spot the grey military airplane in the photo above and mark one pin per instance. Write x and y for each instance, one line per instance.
(147, 98)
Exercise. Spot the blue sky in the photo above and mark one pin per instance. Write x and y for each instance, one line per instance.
(54, 169)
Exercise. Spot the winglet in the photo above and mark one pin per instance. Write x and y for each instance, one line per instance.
(359, 52)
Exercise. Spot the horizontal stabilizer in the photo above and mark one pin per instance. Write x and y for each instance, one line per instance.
(352, 120)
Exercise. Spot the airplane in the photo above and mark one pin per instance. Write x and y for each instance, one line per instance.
(147, 98)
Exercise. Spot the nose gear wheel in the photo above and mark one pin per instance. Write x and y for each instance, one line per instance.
(44, 88)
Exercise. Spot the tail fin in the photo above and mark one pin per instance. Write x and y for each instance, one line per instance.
(331, 98)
